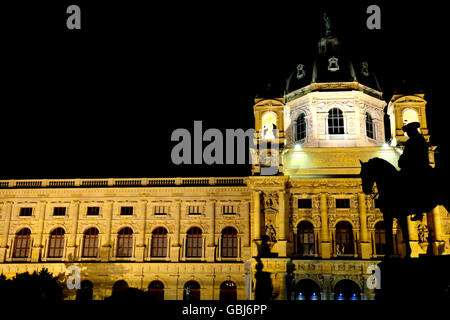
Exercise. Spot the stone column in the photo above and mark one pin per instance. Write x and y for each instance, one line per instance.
(140, 237)
(364, 241)
(39, 232)
(106, 244)
(438, 243)
(325, 245)
(256, 221)
(7, 210)
(211, 246)
(72, 243)
(176, 246)
(282, 219)
(413, 237)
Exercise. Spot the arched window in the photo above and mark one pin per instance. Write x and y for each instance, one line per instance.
(269, 125)
(56, 243)
(159, 242)
(335, 121)
(86, 292)
(307, 289)
(228, 291)
(347, 290)
(229, 243)
(22, 243)
(300, 128)
(305, 238)
(90, 243)
(194, 243)
(125, 243)
(156, 290)
(191, 290)
(380, 238)
(370, 128)
(409, 116)
(344, 238)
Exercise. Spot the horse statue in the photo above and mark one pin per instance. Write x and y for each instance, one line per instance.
(395, 200)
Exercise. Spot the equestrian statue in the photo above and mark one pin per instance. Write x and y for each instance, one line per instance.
(411, 191)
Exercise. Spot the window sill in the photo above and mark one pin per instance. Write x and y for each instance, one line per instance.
(60, 259)
(345, 256)
(124, 259)
(20, 260)
(157, 259)
(90, 259)
(228, 259)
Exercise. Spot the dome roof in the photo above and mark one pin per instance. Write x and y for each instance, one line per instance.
(332, 64)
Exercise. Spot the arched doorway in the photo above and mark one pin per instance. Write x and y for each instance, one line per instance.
(228, 291)
(119, 287)
(156, 290)
(191, 290)
(347, 290)
(307, 289)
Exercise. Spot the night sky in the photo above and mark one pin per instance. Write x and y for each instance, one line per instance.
(104, 100)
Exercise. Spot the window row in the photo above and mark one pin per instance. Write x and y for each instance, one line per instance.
(307, 240)
(342, 203)
(191, 290)
(128, 210)
(229, 244)
(335, 125)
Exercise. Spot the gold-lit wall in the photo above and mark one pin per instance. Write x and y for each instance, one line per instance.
(256, 202)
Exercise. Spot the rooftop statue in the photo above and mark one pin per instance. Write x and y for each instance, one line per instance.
(327, 24)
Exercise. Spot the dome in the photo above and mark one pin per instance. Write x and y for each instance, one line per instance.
(332, 64)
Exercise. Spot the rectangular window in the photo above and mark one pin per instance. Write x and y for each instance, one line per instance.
(93, 211)
(229, 210)
(194, 210)
(194, 246)
(305, 203)
(25, 212)
(342, 203)
(126, 211)
(59, 211)
(161, 210)
(159, 245)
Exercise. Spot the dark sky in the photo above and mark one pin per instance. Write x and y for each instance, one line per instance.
(103, 101)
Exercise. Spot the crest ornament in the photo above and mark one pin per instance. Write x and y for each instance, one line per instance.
(333, 64)
(365, 68)
(300, 71)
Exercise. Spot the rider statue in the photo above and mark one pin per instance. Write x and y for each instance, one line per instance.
(414, 165)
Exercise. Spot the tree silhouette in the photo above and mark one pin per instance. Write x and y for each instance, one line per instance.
(35, 287)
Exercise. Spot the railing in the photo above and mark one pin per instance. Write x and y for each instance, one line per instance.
(126, 182)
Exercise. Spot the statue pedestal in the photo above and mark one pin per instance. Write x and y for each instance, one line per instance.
(424, 278)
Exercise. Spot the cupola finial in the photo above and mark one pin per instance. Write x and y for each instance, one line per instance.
(327, 24)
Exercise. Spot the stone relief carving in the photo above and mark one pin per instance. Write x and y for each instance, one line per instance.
(270, 202)
(372, 218)
(270, 232)
(422, 232)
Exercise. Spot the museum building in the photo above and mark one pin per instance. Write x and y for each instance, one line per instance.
(198, 238)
